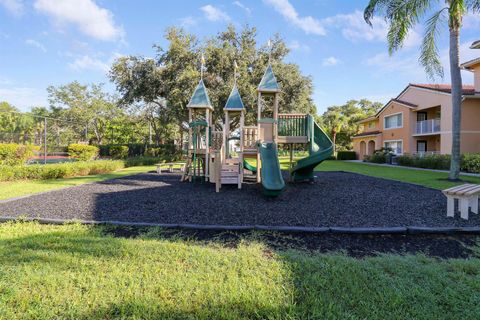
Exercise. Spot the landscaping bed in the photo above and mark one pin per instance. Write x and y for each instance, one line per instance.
(336, 199)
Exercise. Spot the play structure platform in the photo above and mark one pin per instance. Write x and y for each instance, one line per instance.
(239, 152)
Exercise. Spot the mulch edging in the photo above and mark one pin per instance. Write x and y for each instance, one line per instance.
(289, 229)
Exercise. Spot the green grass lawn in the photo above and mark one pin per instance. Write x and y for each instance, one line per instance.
(436, 180)
(21, 188)
(78, 272)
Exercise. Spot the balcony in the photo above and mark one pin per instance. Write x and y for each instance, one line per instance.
(431, 126)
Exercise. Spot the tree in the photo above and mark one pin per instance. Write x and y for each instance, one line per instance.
(341, 121)
(402, 16)
(168, 80)
(83, 107)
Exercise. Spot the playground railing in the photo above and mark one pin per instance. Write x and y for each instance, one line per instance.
(250, 137)
(292, 125)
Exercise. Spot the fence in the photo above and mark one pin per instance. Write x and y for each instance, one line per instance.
(53, 135)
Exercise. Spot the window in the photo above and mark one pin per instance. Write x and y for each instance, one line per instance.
(371, 125)
(393, 121)
(396, 146)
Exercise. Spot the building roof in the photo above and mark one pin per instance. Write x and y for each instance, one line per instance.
(200, 97)
(470, 64)
(446, 88)
(234, 101)
(269, 82)
(475, 45)
(365, 134)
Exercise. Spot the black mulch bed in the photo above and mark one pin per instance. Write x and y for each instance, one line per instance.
(441, 246)
(335, 199)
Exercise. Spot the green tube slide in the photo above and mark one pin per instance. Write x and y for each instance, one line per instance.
(272, 180)
(249, 166)
(321, 148)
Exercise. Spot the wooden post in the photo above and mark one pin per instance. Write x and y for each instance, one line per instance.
(259, 116)
(275, 117)
(291, 160)
(240, 158)
(207, 145)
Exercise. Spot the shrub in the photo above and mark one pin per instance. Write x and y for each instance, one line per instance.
(58, 170)
(142, 161)
(153, 152)
(346, 155)
(470, 163)
(433, 161)
(118, 152)
(82, 152)
(380, 156)
(15, 154)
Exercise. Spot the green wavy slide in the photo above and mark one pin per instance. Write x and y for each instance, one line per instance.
(321, 148)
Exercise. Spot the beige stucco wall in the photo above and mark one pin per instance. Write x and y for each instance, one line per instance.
(365, 127)
(368, 150)
(476, 78)
(403, 133)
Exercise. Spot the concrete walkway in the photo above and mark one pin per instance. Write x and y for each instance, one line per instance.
(413, 168)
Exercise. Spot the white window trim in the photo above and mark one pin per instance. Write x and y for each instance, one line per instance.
(390, 115)
(396, 140)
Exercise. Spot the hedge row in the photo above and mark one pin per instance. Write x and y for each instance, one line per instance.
(346, 155)
(58, 170)
(82, 152)
(138, 149)
(15, 154)
(470, 162)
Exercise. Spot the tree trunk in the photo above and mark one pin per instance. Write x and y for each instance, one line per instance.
(456, 79)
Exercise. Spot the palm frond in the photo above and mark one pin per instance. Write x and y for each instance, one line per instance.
(429, 57)
(372, 7)
(473, 5)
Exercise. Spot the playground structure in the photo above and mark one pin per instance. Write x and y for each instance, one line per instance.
(210, 154)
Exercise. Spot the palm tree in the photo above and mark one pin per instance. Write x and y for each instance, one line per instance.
(402, 16)
(335, 121)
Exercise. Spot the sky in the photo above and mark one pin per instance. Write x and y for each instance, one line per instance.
(53, 42)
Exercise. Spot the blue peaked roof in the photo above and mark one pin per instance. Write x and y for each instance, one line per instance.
(234, 101)
(200, 97)
(269, 82)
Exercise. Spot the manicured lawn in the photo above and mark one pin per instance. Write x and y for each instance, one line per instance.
(21, 188)
(77, 272)
(436, 180)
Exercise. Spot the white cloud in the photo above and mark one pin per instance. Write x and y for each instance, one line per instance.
(188, 22)
(86, 15)
(23, 97)
(308, 24)
(407, 64)
(5, 81)
(88, 63)
(354, 28)
(296, 45)
(36, 44)
(214, 14)
(15, 7)
(403, 64)
(247, 10)
(330, 61)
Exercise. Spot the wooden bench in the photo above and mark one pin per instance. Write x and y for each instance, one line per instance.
(467, 195)
(170, 166)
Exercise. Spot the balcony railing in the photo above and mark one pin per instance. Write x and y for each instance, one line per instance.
(427, 126)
